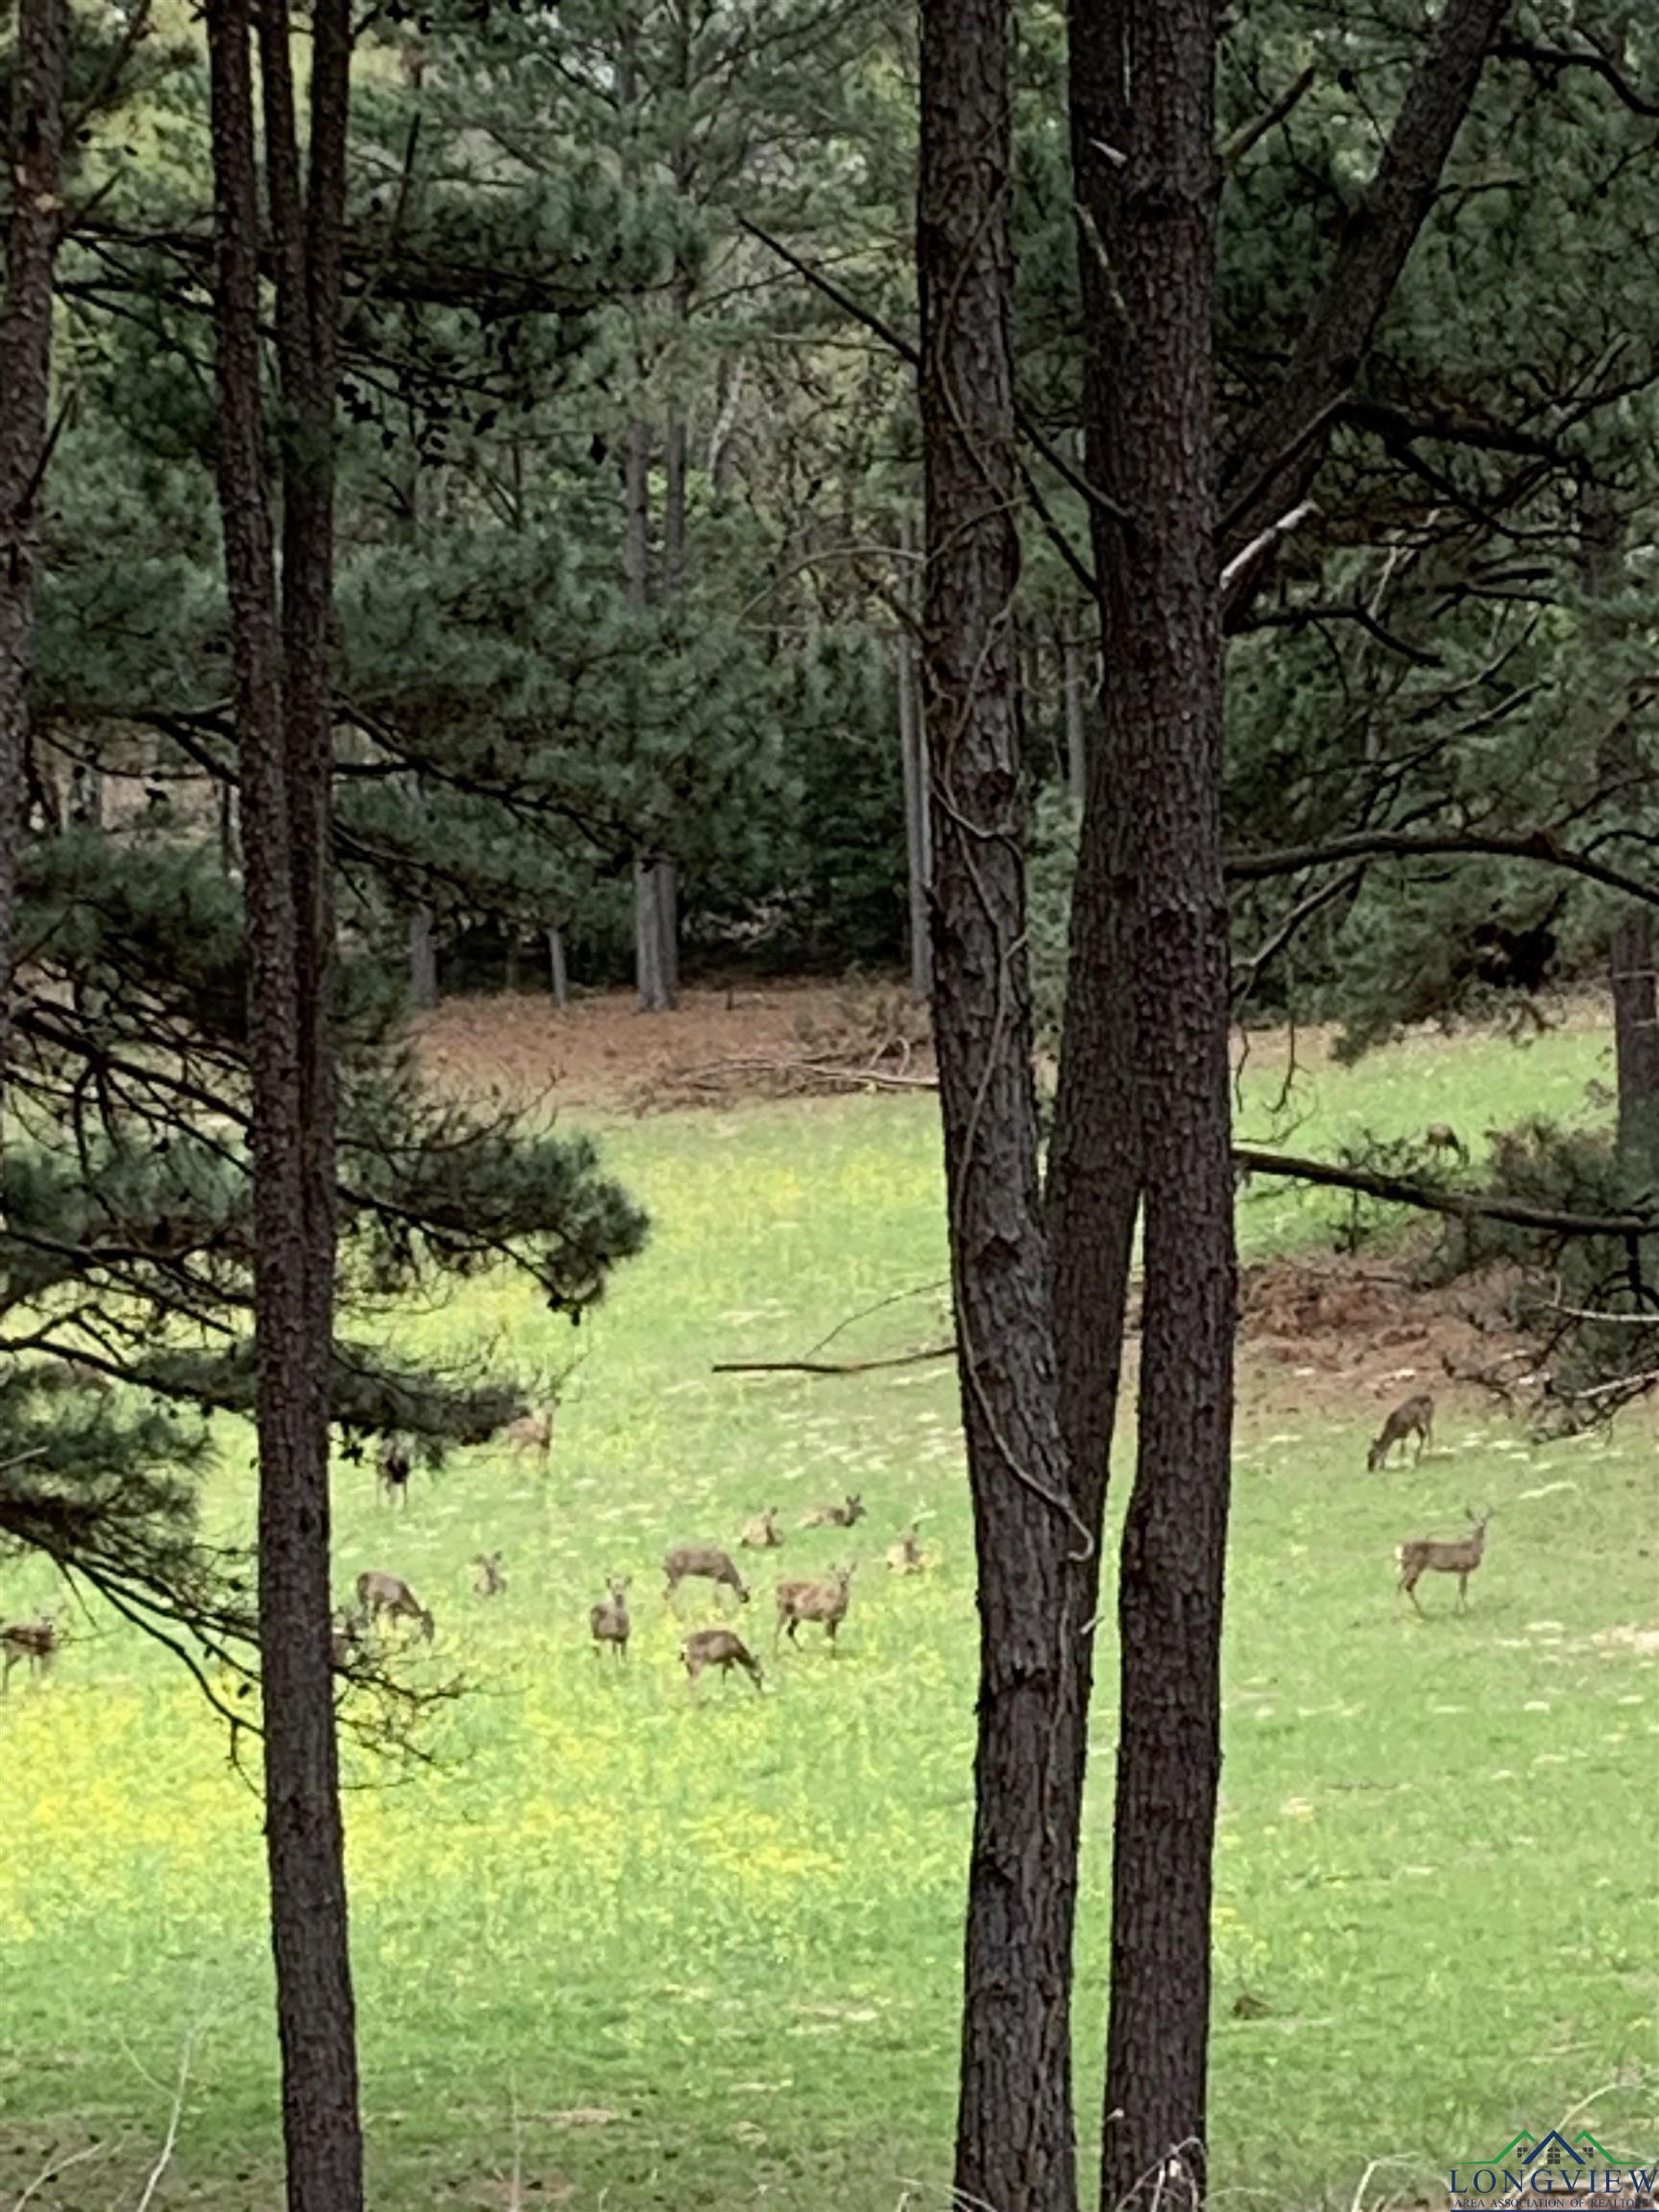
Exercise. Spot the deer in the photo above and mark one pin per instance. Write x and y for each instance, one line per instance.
(34, 1640)
(610, 1622)
(488, 1581)
(391, 1595)
(1422, 1555)
(842, 1515)
(720, 1647)
(825, 1601)
(532, 1432)
(394, 1463)
(690, 1559)
(1411, 1417)
(761, 1533)
(1441, 1137)
(345, 1638)
(905, 1557)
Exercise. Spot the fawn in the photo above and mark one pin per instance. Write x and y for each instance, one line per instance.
(690, 1559)
(1460, 1558)
(1412, 1417)
(532, 1432)
(394, 1463)
(34, 1640)
(610, 1622)
(391, 1595)
(719, 1647)
(825, 1601)
(840, 1516)
(488, 1581)
(906, 1556)
(760, 1535)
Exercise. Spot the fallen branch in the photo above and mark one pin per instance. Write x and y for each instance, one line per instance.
(832, 1366)
(1465, 1206)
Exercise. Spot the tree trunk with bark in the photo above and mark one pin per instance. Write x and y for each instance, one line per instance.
(33, 230)
(280, 639)
(1014, 2145)
(918, 827)
(423, 959)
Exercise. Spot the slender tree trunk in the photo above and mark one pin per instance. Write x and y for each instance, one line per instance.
(280, 651)
(1635, 1034)
(422, 958)
(653, 978)
(918, 828)
(558, 968)
(1015, 2146)
(32, 234)
(1076, 750)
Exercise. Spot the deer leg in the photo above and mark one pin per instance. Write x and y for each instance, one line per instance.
(1462, 1593)
(1411, 1589)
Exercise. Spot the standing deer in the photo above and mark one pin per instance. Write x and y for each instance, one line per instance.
(610, 1622)
(34, 1640)
(1413, 1417)
(488, 1581)
(532, 1432)
(1422, 1555)
(690, 1559)
(842, 1515)
(760, 1535)
(1441, 1137)
(825, 1601)
(395, 1462)
(391, 1595)
(719, 1647)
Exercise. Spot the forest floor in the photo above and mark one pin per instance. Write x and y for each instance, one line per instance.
(627, 1948)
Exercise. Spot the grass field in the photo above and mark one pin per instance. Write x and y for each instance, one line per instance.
(693, 1953)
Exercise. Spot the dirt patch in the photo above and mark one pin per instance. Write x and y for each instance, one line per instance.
(721, 1043)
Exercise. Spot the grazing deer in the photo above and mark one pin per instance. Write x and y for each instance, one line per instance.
(345, 1638)
(1424, 1557)
(906, 1556)
(610, 1622)
(842, 1515)
(532, 1432)
(760, 1535)
(720, 1647)
(395, 1463)
(1441, 1137)
(488, 1581)
(34, 1640)
(391, 1595)
(690, 1559)
(825, 1601)
(1412, 1417)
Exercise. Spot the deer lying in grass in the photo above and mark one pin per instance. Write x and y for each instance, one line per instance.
(395, 1462)
(532, 1432)
(1413, 1417)
(489, 1580)
(760, 1535)
(34, 1640)
(688, 1560)
(842, 1515)
(391, 1595)
(610, 1622)
(825, 1601)
(905, 1557)
(719, 1647)
(1424, 1557)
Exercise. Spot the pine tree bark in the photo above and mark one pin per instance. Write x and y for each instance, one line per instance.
(918, 829)
(33, 228)
(1014, 2143)
(280, 639)
(423, 959)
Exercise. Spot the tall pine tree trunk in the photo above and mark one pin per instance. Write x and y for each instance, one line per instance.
(913, 763)
(32, 234)
(280, 651)
(653, 978)
(1014, 2143)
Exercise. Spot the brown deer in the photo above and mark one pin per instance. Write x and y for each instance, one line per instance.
(1422, 1557)
(761, 1533)
(905, 1557)
(842, 1515)
(488, 1581)
(691, 1559)
(719, 1647)
(532, 1432)
(1412, 1417)
(391, 1595)
(610, 1622)
(825, 1601)
(34, 1640)
(394, 1462)
(345, 1638)
(1441, 1137)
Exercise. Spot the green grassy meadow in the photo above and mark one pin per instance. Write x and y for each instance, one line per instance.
(626, 1947)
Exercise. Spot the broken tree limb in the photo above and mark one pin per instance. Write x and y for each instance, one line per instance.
(833, 1366)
